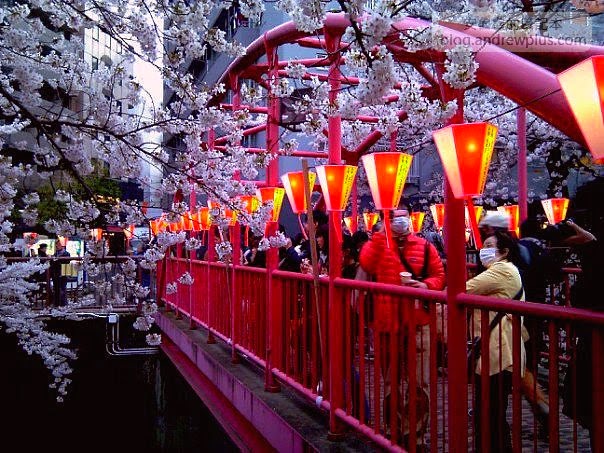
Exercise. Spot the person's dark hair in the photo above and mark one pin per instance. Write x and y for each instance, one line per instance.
(506, 241)
(359, 238)
(43, 245)
(319, 217)
(531, 228)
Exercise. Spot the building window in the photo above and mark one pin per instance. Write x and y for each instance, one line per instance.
(95, 63)
(118, 47)
(119, 107)
(95, 33)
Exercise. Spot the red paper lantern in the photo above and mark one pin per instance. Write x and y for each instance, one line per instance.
(514, 213)
(251, 203)
(129, 232)
(293, 183)
(231, 216)
(274, 194)
(370, 219)
(555, 209)
(174, 227)
(583, 87)
(417, 220)
(203, 220)
(336, 183)
(348, 223)
(438, 215)
(187, 221)
(386, 175)
(96, 234)
(477, 214)
(465, 151)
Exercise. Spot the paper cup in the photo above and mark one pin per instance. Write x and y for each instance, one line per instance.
(405, 277)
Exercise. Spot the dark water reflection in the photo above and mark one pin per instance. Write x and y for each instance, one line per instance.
(138, 404)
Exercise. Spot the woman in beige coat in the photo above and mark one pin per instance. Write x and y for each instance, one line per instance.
(500, 279)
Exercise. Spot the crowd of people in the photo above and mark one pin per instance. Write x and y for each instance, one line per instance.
(511, 267)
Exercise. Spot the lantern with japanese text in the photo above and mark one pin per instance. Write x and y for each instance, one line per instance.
(293, 183)
(336, 183)
(231, 216)
(514, 213)
(203, 220)
(386, 175)
(250, 203)
(438, 215)
(370, 219)
(465, 151)
(417, 220)
(348, 223)
(478, 210)
(555, 209)
(583, 87)
(274, 195)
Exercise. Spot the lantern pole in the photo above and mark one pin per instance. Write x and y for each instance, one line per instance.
(454, 230)
(272, 258)
(235, 233)
(354, 212)
(336, 306)
(474, 223)
(522, 164)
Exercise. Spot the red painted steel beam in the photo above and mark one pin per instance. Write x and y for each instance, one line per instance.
(238, 428)
(282, 152)
(249, 131)
(249, 108)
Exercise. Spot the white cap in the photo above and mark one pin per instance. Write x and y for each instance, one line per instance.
(496, 219)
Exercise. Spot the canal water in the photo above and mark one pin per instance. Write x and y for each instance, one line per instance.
(114, 404)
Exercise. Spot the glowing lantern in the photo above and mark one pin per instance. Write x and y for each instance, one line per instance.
(251, 203)
(465, 151)
(202, 220)
(293, 183)
(62, 240)
(583, 87)
(187, 221)
(555, 209)
(129, 232)
(175, 227)
(274, 194)
(231, 216)
(386, 175)
(417, 220)
(477, 215)
(438, 215)
(348, 223)
(215, 208)
(157, 226)
(336, 182)
(96, 234)
(370, 219)
(514, 213)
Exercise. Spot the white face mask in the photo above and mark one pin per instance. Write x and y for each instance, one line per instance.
(487, 256)
(400, 225)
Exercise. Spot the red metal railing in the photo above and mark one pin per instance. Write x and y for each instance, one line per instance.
(381, 366)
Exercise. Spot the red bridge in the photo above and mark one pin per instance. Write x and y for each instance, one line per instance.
(317, 343)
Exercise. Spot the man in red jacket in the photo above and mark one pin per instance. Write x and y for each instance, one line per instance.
(395, 318)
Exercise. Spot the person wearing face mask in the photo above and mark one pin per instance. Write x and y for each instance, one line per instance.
(412, 254)
(500, 279)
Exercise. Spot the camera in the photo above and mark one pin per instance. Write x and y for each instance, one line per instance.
(558, 232)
